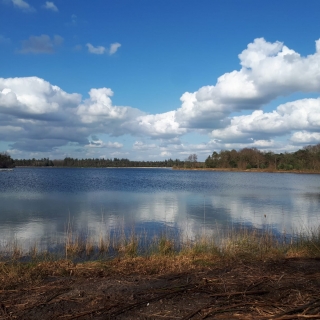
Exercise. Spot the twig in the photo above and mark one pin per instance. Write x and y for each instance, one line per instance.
(245, 293)
(85, 313)
(257, 284)
(146, 301)
(295, 310)
(233, 307)
(300, 316)
(227, 294)
(46, 301)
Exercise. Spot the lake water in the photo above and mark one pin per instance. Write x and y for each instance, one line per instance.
(38, 204)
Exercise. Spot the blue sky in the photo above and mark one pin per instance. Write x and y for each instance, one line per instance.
(157, 79)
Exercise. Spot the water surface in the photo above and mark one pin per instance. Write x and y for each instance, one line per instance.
(38, 204)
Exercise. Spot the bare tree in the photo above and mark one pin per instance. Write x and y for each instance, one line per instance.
(192, 160)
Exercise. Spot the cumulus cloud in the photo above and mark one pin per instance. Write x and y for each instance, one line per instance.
(305, 137)
(45, 112)
(98, 109)
(269, 70)
(50, 6)
(32, 109)
(23, 5)
(292, 116)
(32, 96)
(163, 125)
(102, 50)
(263, 145)
(41, 44)
(38, 116)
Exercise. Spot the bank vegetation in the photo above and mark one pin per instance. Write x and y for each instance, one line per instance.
(306, 159)
(251, 274)
(6, 161)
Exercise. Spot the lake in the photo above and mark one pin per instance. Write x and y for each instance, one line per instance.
(39, 204)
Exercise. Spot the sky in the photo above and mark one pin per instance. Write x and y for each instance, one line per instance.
(157, 79)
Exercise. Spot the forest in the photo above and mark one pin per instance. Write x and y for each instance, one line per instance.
(307, 159)
(97, 163)
(6, 161)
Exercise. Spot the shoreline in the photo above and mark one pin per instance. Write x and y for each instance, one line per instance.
(179, 169)
(247, 170)
(253, 277)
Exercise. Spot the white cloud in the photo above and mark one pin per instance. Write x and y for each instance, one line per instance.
(292, 116)
(41, 44)
(165, 154)
(114, 48)
(50, 6)
(23, 5)
(139, 145)
(100, 106)
(99, 112)
(318, 46)
(95, 50)
(263, 145)
(33, 96)
(305, 137)
(102, 50)
(39, 116)
(158, 125)
(269, 70)
(114, 145)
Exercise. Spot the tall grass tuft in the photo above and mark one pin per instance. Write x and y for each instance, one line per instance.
(166, 246)
(305, 243)
(243, 244)
(252, 244)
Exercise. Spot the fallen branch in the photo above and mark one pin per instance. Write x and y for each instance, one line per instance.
(226, 294)
(146, 301)
(297, 309)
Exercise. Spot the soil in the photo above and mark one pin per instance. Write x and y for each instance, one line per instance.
(283, 289)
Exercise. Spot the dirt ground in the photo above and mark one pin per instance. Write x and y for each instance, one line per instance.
(284, 289)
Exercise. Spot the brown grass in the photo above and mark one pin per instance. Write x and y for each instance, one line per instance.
(162, 254)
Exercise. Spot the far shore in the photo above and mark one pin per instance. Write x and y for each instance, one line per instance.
(249, 170)
(187, 169)
(61, 167)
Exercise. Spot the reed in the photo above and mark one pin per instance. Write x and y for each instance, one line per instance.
(243, 243)
(130, 252)
(304, 243)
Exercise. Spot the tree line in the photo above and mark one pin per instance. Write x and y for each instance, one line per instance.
(6, 161)
(97, 162)
(307, 158)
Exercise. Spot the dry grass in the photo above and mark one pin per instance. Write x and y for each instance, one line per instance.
(250, 272)
(160, 254)
(243, 243)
